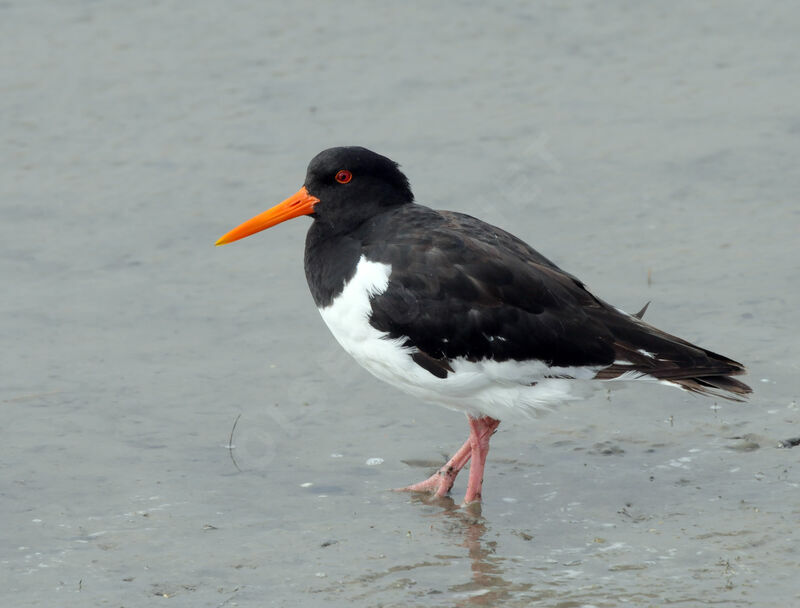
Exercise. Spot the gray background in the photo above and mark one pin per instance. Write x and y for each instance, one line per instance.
(651, 149)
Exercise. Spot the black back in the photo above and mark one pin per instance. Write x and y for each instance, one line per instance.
(460, 287)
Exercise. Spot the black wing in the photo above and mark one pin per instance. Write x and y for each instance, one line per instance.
(463, 288)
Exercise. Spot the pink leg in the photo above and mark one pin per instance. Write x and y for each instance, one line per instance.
(442, 480)
(481, 431)
(475, 447)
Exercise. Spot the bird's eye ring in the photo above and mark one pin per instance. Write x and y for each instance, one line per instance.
(344, 176)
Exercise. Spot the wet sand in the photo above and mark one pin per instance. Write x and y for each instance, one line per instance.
(649, 150)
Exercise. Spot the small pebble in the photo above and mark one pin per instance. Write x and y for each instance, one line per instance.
(371, 462)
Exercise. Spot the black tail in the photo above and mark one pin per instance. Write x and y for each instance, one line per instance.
(643, 350)
(718, 386)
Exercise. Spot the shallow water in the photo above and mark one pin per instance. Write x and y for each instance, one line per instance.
(651, 152)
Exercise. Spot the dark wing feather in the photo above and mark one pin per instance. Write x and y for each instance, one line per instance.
(463, 288)
(667, 357)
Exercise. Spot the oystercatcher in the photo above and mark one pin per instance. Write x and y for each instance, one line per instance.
(458, 312)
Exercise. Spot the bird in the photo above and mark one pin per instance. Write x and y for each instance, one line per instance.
(458, 312)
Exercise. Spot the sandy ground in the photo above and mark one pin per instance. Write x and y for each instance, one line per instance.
(651, 150)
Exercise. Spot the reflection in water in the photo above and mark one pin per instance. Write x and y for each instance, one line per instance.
(458, 528)
(466, 525)
(434, 571)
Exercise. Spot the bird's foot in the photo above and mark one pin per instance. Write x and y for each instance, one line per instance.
(475, 447)
(440, 483)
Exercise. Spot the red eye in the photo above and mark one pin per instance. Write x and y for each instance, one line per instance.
(344, 176)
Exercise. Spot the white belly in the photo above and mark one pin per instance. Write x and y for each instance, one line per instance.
(482, 388)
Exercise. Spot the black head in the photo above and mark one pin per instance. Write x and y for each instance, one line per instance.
(344, 187)
(353, 184)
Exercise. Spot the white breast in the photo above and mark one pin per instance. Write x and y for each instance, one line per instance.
(492, 388)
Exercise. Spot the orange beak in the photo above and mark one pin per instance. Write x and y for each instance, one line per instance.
(300, 203)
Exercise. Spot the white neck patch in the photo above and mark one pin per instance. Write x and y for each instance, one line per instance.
(348, 315)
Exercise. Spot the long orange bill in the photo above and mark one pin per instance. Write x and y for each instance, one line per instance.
(300, 203)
